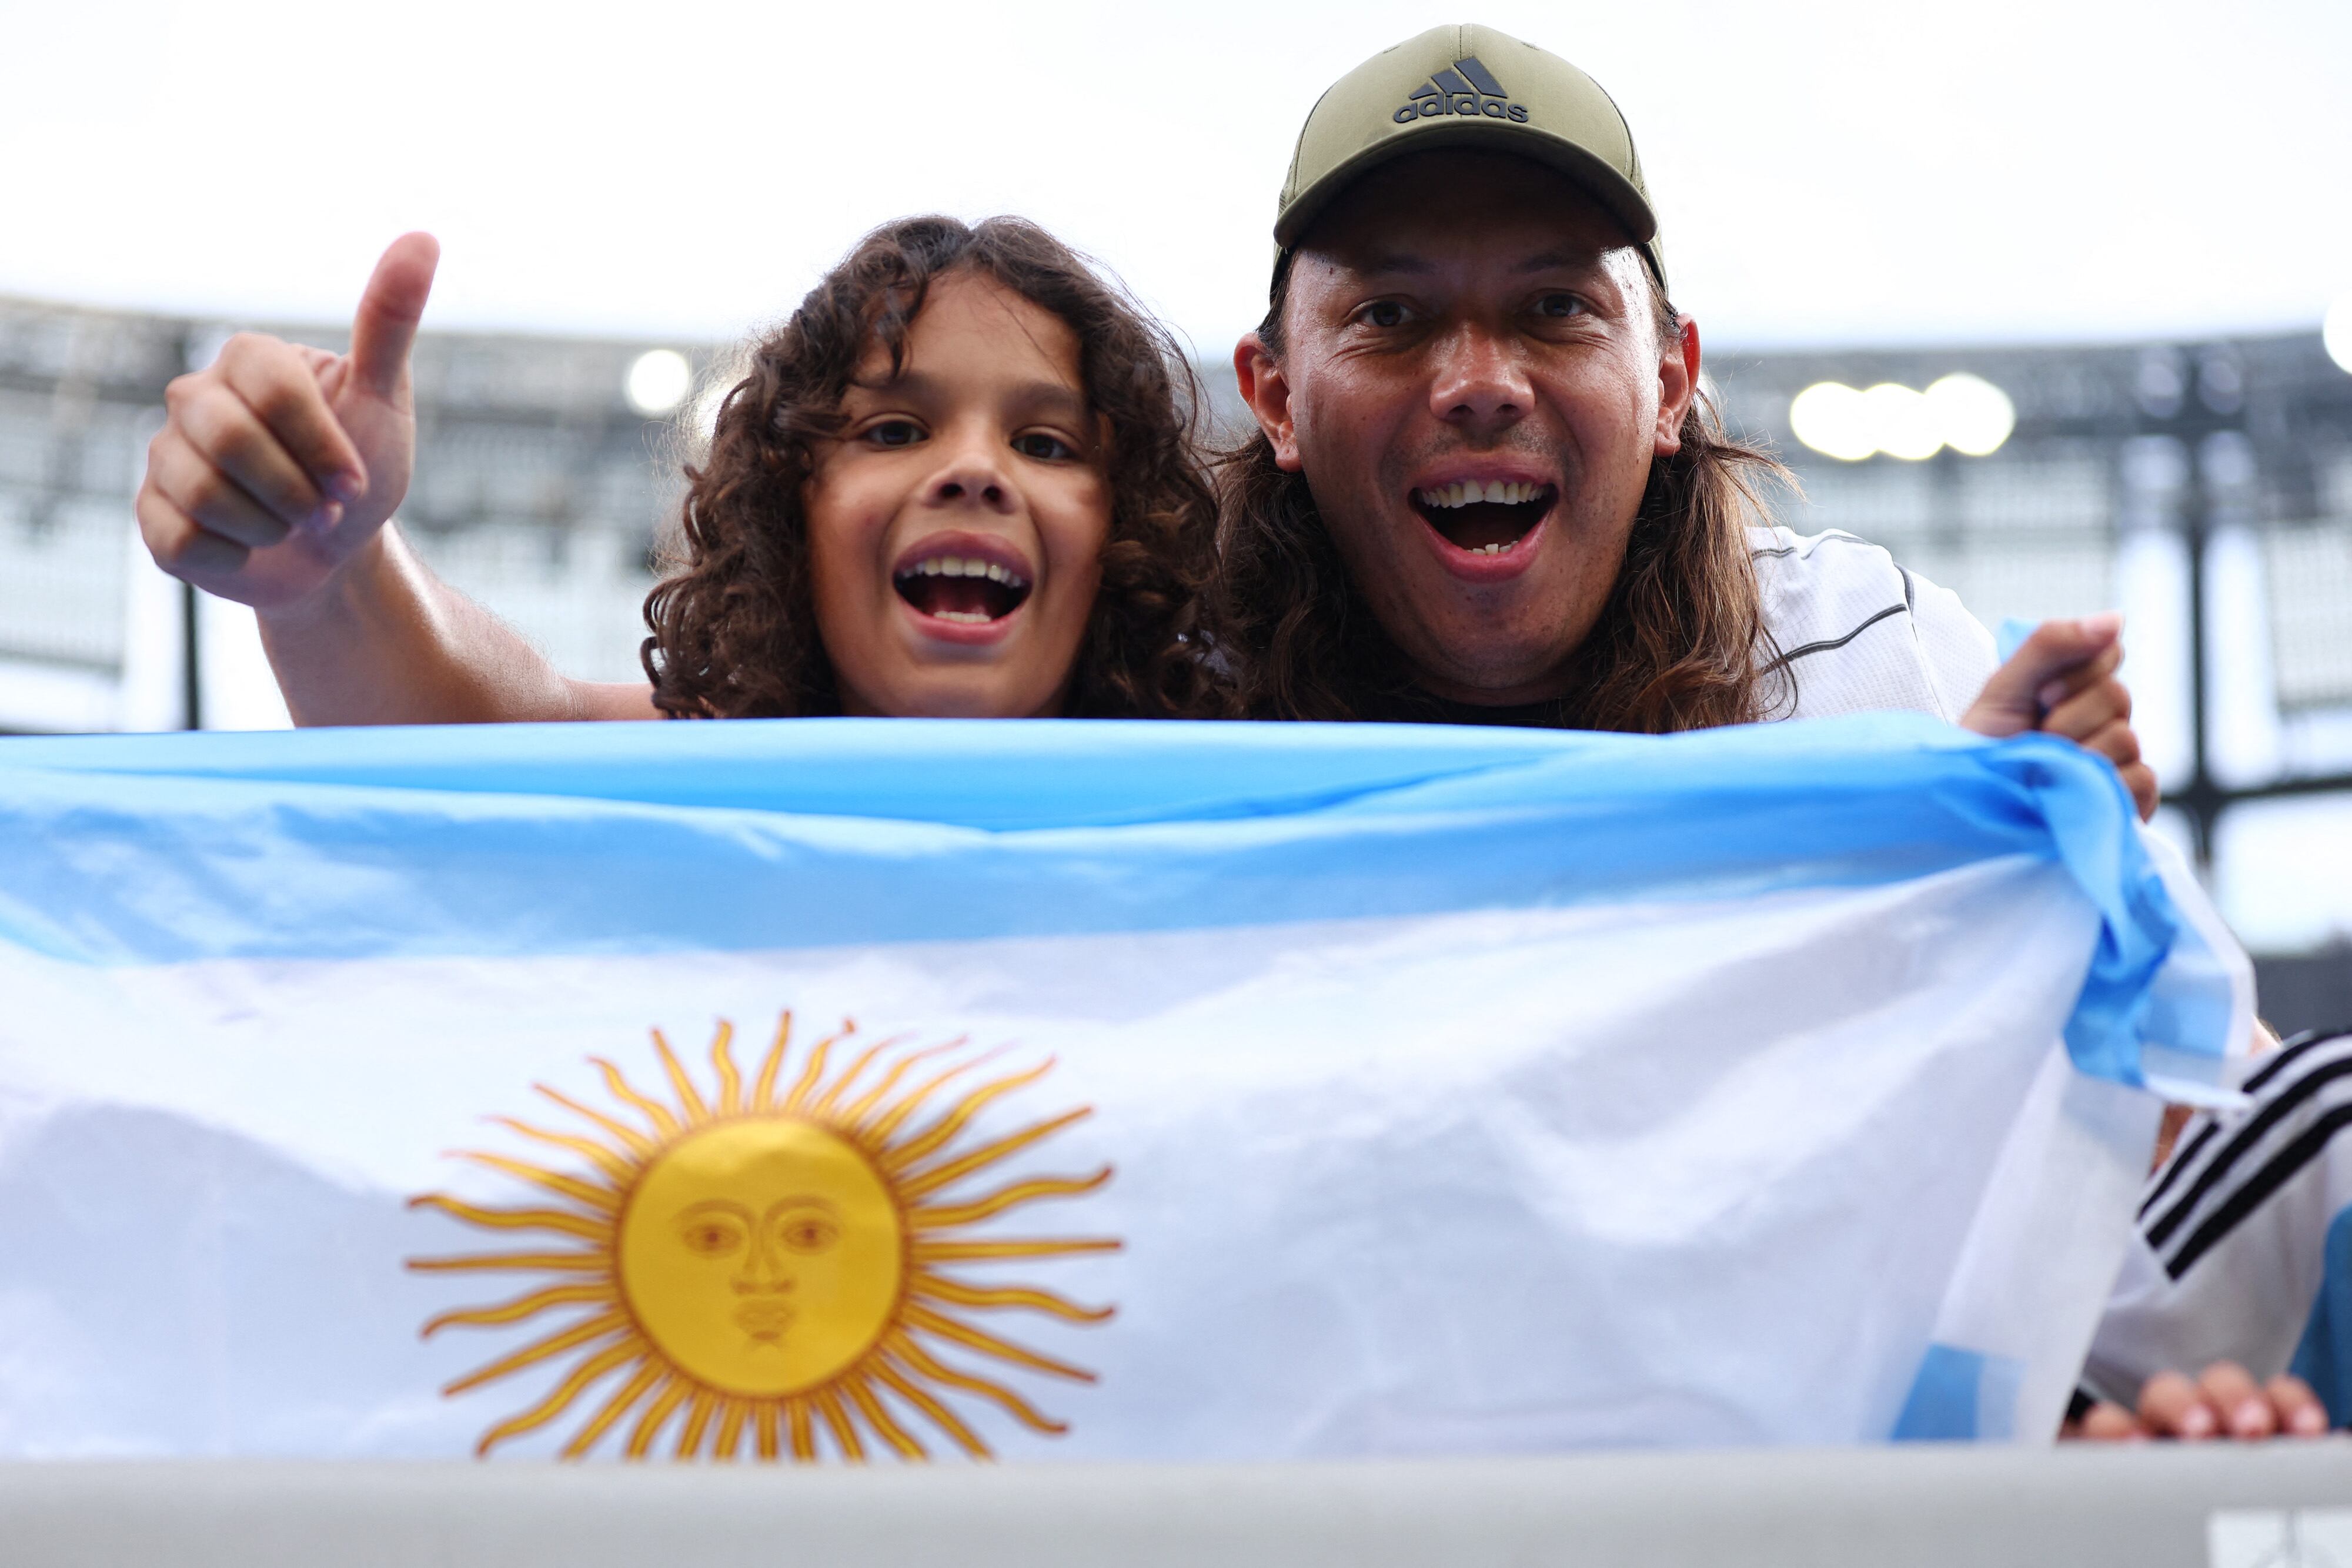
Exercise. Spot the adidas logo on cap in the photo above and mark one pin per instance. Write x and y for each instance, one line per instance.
(1464, 87)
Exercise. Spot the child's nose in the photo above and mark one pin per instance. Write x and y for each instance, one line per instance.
(985, 487)
(970, 477)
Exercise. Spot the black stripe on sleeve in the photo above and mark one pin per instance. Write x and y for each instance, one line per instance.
(2241, 1143)
(2182, 1158)
(2293, 1051)
(1793, 655)
(1827, 536)
(2306, 1147)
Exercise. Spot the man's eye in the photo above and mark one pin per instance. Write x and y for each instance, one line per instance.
(1557, 304)
(1383, 313)
(895, 433)
(1043, 447)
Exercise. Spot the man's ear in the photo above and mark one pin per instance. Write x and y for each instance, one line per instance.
(1677, 386)
(1266, 391)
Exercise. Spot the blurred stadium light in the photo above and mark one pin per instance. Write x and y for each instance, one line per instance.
(658, 381)
(2205, 488)
(1965, 413)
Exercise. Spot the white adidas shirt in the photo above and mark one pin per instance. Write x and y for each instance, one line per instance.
(1858, 633)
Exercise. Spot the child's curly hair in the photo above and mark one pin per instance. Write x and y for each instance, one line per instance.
(734, 630)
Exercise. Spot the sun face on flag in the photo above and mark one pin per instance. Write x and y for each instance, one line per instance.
(767, 1259)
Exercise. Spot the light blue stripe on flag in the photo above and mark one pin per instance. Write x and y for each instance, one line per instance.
(487, 839)
(1960, 1396)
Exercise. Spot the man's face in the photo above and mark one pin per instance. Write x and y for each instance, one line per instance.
(1473, 385)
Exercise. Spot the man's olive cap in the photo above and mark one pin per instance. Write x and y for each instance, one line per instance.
(1467, 86)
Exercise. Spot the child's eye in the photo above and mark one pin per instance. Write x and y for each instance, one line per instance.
(895, 433)
(1043, 447)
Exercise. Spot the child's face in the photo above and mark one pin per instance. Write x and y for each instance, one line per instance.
(956, 527)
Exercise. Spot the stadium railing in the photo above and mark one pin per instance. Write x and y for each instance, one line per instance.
(2278, 1506)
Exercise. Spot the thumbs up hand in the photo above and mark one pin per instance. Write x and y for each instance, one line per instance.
(278, 462)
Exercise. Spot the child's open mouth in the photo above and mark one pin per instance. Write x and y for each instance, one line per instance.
(963, 589)
(1485, 517)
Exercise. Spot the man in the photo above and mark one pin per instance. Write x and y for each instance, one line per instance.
(1488, 487)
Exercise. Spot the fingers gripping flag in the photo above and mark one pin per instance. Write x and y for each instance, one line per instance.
(826, 1091)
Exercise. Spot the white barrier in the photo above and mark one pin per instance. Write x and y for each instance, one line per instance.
(2284, 1506)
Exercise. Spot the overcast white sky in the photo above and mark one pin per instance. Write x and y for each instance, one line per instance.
(1828, 172)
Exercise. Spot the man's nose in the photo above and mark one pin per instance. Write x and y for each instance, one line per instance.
(1479, 383)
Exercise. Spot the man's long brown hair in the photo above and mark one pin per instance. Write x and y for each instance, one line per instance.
(734, 630)
(1681, 643)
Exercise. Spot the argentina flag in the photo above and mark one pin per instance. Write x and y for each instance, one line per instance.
(829, 1090)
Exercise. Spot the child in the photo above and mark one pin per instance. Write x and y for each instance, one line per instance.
(956, 482)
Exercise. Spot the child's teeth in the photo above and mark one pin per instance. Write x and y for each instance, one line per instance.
(957, 566)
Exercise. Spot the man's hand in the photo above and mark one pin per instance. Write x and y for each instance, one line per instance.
(2225, 1402)
(278, 462)
(2062, 681)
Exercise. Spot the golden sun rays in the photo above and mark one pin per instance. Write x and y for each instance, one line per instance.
(762, 1262)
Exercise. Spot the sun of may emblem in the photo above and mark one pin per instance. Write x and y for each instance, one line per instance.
(767, 1259)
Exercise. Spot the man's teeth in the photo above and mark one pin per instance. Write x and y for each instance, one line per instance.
(957, 566)
(1470, 492)
(1496, 549)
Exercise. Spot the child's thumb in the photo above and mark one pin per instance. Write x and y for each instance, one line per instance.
(394, 302)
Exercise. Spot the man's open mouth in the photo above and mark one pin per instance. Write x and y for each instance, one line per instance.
(961, 588)
(1485, 518)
